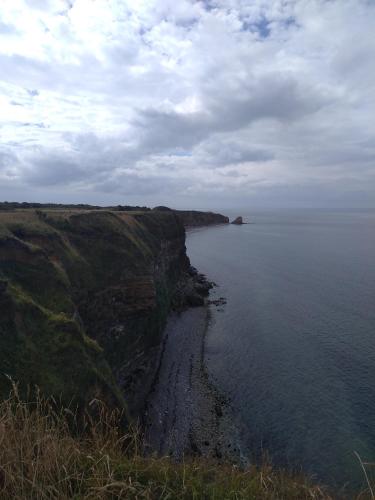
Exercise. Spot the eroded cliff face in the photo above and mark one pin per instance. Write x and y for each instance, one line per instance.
(84, 297)
(194, 218)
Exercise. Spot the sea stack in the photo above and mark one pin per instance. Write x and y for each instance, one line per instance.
(238, 221)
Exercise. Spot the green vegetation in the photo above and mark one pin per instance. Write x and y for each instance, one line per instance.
(46, 452)
(82, 292)
(13, 205)
(40, 347)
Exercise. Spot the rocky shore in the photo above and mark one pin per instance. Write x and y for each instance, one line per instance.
(185, 414)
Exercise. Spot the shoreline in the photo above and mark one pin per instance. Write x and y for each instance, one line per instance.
(185, 414)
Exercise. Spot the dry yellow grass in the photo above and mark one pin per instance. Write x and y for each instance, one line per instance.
(51, 453)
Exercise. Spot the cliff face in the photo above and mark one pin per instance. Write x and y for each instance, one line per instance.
(191, 218)
(83, 299)
(194, 218)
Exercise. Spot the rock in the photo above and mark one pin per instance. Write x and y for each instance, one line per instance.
(192, 271)
(202, 288)
(218, 302)
(238, 221)
(195, 300)
(201, 278)
(191, 290)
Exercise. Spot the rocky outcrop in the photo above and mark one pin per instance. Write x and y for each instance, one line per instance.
(191, 290)
(238, 221)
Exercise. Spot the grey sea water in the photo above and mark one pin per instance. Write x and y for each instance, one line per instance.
(294, 347)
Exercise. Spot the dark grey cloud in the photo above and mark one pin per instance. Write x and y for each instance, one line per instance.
(130, 183)
(271, 97)
(220, 153)
(54, 170)
(7, 158)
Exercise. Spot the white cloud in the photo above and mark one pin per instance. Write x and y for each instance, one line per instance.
(226, 100)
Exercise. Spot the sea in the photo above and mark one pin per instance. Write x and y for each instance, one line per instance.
(293, 348)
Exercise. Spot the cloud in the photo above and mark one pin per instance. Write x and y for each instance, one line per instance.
(218, 152)
(7, 29)
(52, 170)
(7, 158)
(32, 92)
(224, 100)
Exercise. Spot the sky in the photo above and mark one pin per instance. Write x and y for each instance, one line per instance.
(191, 104)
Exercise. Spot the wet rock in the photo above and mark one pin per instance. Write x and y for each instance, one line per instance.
(221, 301)
(201, 278)
(192, 271)
(191, 290)
(202, 288)
(195, 300)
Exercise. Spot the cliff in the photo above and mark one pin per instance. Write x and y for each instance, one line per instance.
(194, 218)
(84, 296)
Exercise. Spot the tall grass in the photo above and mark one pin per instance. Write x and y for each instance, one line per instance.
(48, 452)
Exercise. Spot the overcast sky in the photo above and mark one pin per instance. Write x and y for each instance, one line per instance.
(188, 103)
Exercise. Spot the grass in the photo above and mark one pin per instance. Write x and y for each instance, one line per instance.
(48, 452)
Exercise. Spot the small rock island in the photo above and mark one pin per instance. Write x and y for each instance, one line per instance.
(238, 221)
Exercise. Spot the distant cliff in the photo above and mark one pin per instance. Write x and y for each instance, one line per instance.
(191, 218)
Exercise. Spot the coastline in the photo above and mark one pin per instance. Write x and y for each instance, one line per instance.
(185, 414)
